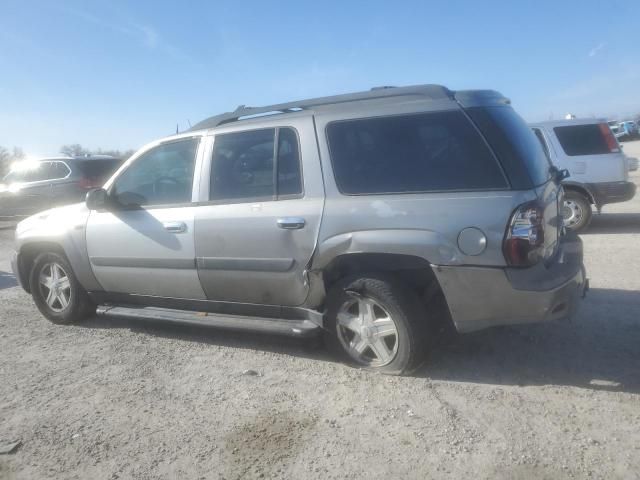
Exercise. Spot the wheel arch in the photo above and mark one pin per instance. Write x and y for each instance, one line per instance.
(580, 188)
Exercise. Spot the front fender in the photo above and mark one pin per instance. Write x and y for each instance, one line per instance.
(65, 228)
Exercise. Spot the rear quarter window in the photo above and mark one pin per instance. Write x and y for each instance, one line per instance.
(578, 140)
(410, 154)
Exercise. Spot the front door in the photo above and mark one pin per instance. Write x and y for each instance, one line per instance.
(257, 231)
(143, 244)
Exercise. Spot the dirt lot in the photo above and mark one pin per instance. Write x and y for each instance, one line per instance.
(128, 400)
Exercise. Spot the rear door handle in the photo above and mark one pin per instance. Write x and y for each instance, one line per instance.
(175, 227)
(291, 223)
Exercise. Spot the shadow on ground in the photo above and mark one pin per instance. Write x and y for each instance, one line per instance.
(298, 347)
(599, 349)
(614, 223)
(7, 280)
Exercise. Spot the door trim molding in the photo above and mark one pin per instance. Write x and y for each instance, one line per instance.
(133, 262)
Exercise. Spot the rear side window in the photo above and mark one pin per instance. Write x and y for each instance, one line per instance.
(515, 144)
(582, 140)
(414, 153)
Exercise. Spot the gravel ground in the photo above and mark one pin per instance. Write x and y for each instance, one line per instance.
(118, 399)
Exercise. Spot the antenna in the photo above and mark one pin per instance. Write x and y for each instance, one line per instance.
(189, 122)
(177, 129)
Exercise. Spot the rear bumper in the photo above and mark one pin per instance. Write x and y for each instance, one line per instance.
(482, 297)
(612, 192)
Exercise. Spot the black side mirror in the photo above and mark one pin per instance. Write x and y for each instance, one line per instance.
(97, 199)
(559, 175)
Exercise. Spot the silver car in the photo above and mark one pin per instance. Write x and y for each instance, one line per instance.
(375, 218)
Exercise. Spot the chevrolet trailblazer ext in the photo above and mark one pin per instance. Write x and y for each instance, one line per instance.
(353, 214)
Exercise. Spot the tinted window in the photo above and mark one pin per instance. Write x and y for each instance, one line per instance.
(515, 144)
(58, 170)
(289, 177)
(98, 169)
(415, 153)
(161, 176)
(243, 165)
(582, 140)
(543, 142)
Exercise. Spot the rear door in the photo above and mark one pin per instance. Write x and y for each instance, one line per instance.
(258, 223)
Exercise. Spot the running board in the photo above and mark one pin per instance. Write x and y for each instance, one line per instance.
(277, 326)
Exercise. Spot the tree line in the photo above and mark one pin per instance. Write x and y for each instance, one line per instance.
(9, 156)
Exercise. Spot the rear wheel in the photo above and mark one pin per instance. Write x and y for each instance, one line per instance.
(56, 291)
(576, 211)
(377, 323)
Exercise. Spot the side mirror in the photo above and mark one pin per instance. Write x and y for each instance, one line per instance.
(97, 199)
(562, 174)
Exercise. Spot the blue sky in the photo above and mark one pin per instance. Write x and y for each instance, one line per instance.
(118, 74)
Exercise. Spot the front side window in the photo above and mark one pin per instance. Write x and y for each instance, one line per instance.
(161, 176)
(412, 153)
(243, 166)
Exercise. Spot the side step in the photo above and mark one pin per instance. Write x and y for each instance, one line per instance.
(292, 328)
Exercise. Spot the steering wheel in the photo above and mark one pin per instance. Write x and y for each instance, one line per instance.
(163, 179)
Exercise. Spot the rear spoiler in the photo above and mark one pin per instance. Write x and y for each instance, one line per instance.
(480, 98)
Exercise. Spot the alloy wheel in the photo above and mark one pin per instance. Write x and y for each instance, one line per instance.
(55, 286)
(367, 332)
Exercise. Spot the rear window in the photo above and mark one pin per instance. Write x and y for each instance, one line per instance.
(99, 168)
(582, 140)
(514, 143)
(410, 154)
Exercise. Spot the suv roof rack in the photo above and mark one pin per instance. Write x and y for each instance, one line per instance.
(434, 92)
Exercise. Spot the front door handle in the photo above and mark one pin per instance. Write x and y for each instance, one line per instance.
(175, 227)
(291, 223)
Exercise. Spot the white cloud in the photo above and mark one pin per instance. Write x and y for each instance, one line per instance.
(597, 49)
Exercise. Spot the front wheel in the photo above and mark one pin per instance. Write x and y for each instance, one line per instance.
(576, 211)
(376, 322)
(56, 291)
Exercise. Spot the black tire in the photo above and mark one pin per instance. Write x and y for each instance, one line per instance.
(403, 307)
(78, 307)
(583, 203)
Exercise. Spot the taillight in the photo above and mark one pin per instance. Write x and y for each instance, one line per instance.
(609, 137)
(524, 241)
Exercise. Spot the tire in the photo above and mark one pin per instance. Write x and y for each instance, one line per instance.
(71, 303)
(576, 211)
(392, 315)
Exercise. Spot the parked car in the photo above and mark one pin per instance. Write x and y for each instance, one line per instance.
(598, 169)
(375, 217)
(627, 130)
(36, 185)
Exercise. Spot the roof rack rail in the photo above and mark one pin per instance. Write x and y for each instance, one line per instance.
(434, 92)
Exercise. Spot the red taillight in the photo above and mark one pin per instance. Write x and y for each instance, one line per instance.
(524, 241)
(609, 137)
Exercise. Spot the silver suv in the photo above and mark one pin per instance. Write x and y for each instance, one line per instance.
(376, 217)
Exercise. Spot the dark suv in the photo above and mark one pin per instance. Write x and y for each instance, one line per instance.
(32, 186)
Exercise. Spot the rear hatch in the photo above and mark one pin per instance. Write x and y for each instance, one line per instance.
(592, 152)
(528, 167)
